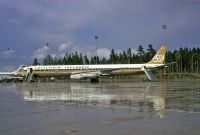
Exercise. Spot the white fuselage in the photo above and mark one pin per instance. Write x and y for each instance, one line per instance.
(87, 70)
(93, 67)
(6, 73)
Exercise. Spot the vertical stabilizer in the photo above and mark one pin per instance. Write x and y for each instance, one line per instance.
(159, 58)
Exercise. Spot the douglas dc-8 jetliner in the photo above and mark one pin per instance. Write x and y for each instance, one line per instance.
(93, 72)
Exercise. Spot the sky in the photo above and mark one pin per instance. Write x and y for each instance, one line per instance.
(26, 26)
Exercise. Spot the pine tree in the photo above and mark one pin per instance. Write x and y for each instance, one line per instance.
(129, 55)
(35, 62)
(86, 61)
(140, 53)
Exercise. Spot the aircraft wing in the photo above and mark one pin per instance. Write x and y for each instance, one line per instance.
(99, 72)
(107, 71)
(90, 74)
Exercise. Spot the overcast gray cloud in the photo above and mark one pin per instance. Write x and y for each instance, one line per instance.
(64, 46)
(27, 25)
(41, 53)
(8, 54)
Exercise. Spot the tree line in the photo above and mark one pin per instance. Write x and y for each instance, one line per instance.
(187, 59)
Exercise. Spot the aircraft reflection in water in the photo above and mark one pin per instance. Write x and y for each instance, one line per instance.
(123, 95)
(162, 97)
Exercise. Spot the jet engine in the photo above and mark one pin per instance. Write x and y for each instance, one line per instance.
(85, 76)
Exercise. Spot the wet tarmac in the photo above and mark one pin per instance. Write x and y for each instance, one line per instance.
(105, 108)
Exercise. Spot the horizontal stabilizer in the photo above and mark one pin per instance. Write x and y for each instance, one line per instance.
(149, 74)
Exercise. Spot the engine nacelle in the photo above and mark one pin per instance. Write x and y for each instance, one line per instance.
(84, 76)
(76, 76)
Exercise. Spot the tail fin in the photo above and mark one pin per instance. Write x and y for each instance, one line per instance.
(159, 58)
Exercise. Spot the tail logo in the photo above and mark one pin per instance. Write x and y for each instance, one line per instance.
(158, 58)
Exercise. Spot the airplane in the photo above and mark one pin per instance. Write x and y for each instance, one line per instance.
(94, 72)
(11, 76)
(5, 76)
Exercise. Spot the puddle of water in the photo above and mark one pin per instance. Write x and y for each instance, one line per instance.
(165, 107)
